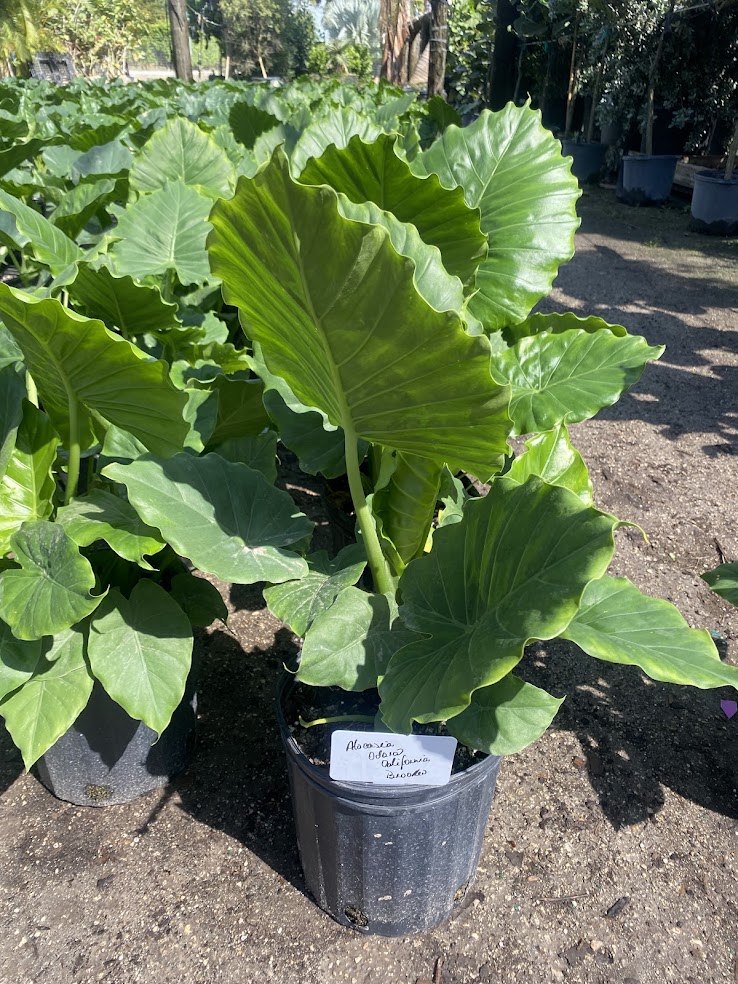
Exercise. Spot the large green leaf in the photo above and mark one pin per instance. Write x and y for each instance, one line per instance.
(199, 599)
(338, 317)
(724, 581)
(618, 624)
(51, 589)
(407, 505)
(140, 649)
(564, 376)
(299, 603)
(100, 515)
(225, 517)
(110, 158)
(504, 718)
(553, 458)
(11, 157)
(70, 357)
(27, 487)
(249, 122)
(349, 645)
(334, 129)
(48, 704)
(12, 392)
(258, 452)
(511, 168)
(18, 660)
(512, 571)
(241, 410)
(180, 151)
(50, 246)
(121, 303)
(78, 205)
(164, 231)
(376, 173)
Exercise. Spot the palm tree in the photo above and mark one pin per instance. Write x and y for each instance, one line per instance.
(20, 34)
(354, 21)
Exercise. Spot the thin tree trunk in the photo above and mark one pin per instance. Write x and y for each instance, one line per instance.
(519, 76)
(596, 92)
(571, 90)
(180, 39)
(261, 66)
(438, 47)
(732, 151)
(504, 60)
(647, 142)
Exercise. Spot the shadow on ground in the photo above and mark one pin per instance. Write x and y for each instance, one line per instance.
(639, 736)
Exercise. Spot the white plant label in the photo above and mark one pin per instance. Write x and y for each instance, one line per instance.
(391, 760)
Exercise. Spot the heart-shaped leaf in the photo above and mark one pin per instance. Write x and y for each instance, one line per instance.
(338, 317)
(68, 355)
(18, 660)
(564, 376)
(334, 129)
(180, 151)
(121, 303)
(619, 624)
(225, 517)
(50, 591)
(511, 168)
(50, 246)
(553, 458)
(49, 703)
(140, 649)
(100, 515)
(504, 718)
(512, 571)
(164, 231)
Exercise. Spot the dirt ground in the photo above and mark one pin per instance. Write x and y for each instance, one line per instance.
(611, 849)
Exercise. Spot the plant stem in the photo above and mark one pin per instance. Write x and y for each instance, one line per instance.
(732, 150)
(368, 718)
(74, 451)
(31, 389)
(377, 563)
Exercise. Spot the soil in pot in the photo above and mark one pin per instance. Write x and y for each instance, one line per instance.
(107, 757)
(647, 180)
(715, 204)
(387, 860)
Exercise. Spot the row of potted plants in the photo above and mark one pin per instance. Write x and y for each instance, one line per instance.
(385, 336)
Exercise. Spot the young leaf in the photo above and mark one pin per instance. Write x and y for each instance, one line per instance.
(227, 519)
(568, 376)
(199, 599)
(67, 354)
(618, 624)
(180, 151)
(140, 649)
(50, 246)
(512, 169)
(100, 515)
(121, 303)
(504, 718)
(49, 703)
(299, 603)
(394, 371)
(349, 645)
(376, 173)
(406, 507)
(51, 589)
(12, 393)
(335, 129)
(27, 487)
(724, 581)
(164, 231)
(553, 458)
(512, 571)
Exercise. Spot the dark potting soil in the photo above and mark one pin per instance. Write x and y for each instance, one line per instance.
(304, 703)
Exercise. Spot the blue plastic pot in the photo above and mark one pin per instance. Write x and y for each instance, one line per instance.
(587, 159)
(647, 179)
(715, 204)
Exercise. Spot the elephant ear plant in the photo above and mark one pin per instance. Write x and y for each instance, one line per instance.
(395, 298)
(101, 498)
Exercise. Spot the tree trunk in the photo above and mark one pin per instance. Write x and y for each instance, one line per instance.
(438, 48)
(180, 39)
(504, 63)
(732, 151)
(519, 76)
(596, 92)
(572, 87)
(647, 142)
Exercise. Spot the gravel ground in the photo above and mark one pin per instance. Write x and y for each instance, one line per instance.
(611, 849)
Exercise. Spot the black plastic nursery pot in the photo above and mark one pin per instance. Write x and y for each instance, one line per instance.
(715, 204)
(587, 159)
(647, 179)
(387, 860)
(107, 757)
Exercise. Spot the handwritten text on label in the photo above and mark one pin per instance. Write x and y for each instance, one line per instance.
(391, 760)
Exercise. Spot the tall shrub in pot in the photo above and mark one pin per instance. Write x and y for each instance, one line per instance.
(361, 281)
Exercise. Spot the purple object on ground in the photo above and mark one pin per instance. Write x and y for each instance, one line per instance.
(730, 707)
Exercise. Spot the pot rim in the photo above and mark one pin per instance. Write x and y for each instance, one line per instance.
(371, 792)
(715, 177)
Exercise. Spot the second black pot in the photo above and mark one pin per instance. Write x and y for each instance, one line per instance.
(647, 180)
(107, 757)
(388, 860)
(587, 159)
